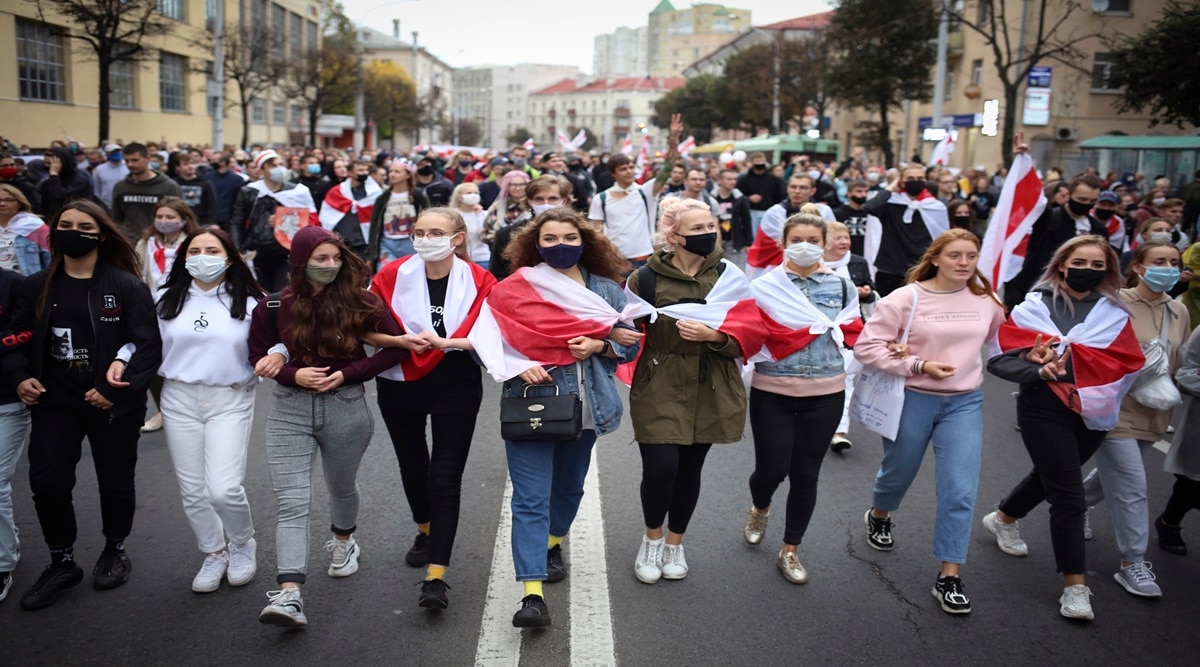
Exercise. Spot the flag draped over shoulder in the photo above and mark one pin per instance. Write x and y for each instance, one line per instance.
(340, 201)
(1022, 201)
(933, 214)
(791, 321)
(1105, 355)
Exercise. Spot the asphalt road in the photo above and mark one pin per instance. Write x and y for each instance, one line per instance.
(860, 606)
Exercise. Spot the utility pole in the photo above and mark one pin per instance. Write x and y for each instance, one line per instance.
(359, 94)
(218, 82)
(939, 82)
(775, 103)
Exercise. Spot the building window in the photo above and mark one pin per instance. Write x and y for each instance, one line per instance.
(312, 36)
(258, 111)
(40, 69)
(1113, 7)
(977, 72)
(296, 34)
(172, 9)
(172, 94)
(949, 92)
(279, 114)
(120, 82)
(1101, 73)
(279, 27)
(210, 13)
(258, 13)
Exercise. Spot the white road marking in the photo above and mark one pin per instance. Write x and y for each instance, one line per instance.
(592, 643)
(499, 642)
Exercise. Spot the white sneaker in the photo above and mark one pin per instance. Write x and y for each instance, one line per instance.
(1008, 537)
(1138, 580)
(648, 566)
(1076, 602)
(208, 579)
(674, 565)
(1087, 524)
(343, 557)
(243, 563)
(286, 609)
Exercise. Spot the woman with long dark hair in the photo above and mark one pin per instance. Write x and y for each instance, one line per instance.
(319, 404)
(70, 322)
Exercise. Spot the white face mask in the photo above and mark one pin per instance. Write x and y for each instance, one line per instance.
(816, 175)
(277, 174)
(1158, 201)
(873, 176)
(433, 249)
(539, 209)
(471, 198)
(206, 268)
(1160, 237)
(804, 254)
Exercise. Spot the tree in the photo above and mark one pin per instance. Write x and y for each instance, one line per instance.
(114, 31)
(881, 54)
(590, 142)
(465, 132)
(320, 80)
(519, 136)
(749, 85)
(1150, 67)
(391, 98)
(1046, 37)
(250, 65)
(698, 99)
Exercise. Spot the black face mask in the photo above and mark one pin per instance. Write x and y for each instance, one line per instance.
(914, 188)
(760, 168)
(960, 220)
(1084, 280)
(74, 243)
(700, 244)
(361, 178)
(425, 170)
(1078, 208)
(858, 200)
(1104, 213)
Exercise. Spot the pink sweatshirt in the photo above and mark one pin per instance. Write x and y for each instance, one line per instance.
(949, 327)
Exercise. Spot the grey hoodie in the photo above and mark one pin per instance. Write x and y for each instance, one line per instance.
(133, 203)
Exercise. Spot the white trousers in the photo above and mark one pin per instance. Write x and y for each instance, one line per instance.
(208, 434)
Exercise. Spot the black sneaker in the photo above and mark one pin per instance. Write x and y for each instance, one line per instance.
(533, 613)
(433, 594)
(418, 555)
(112, 570)
(1170, 538)
(556, 571)
(950, 592)
(879, 533)
(52, 581)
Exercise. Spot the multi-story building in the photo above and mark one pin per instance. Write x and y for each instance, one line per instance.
(609, 108)
(679, 37)
(495, 96)
(620, 53)
(803, 27)
(434, 80)
(51, 89)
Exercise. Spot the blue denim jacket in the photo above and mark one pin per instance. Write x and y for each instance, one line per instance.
(602, 396)
(31, 257)
(821, 358)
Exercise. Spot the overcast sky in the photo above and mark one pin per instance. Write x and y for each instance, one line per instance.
(502, 32)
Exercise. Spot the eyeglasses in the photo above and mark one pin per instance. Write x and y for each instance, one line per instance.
(435, 234)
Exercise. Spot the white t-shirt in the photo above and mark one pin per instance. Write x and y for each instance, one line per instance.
(8, 250)
(628, 220)
(477, 249)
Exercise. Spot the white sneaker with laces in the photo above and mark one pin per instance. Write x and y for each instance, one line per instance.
(648, 566)
(1076, 602)
(1138, 579)
(285, 610)
(1008, 536)
(674, 565)
(343, 557)
(208, 579)
(243, 563)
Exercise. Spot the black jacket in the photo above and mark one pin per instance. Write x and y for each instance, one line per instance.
(583, 189)
(122, 312)
(10, 287)
(767, 185)
(438, 190)
(419, 203)
(860, 275)
(1054, 228)
(200, 196)
(319, 186)
(68, 186)
(249, 226)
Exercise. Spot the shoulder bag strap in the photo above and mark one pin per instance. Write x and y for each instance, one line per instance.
(911, 313)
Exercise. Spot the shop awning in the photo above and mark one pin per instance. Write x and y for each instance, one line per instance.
(1142, 143)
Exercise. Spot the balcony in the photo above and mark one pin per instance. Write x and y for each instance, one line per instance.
(621, 129)
(552, 113)
(621, 112)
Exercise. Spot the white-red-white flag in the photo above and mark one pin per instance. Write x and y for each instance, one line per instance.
(687, 146)
(340, 200)
(933, 214)
(1022, 201)
(792, 321)
(627, 145)
(765, 253)
(644, 154)
(943, 149)
(529, 145)
(578, 140)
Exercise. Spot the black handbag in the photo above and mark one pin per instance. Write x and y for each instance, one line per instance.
(541, 418)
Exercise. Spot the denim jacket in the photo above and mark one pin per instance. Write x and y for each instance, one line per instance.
(602, 396)
(31, 257)
(821, 358)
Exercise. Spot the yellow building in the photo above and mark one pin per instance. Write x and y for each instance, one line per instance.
(679, 37)
(50, 89)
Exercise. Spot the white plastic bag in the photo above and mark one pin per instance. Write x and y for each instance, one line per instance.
(878, 399)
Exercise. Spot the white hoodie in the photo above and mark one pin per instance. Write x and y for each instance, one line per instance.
(204, 344)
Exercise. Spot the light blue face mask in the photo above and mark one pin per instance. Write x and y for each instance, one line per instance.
(1161, 278)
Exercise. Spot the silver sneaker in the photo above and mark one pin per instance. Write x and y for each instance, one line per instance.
(285, 610)
(1138, 579)
(1087, 524)
(1076, 602)
(756, 525)
(1008, 536)
(674, 565)
(208, 579)
(243, 563)
(343, 557)
(788, 563)
(648, 566)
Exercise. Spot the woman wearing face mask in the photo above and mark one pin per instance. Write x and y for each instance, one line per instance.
(173, 222)
(962, 216)
(1065, 414)
(465, 200)
(543, 194)
(69, 323)
(392, 218)
(952, 311)
(435, 297)
(1119, 475)
(510, 208)
(1154, 230)
(208, 398)
(558, 312)
(319, 403)
(843, 262)
(698, 368)
(797, 393)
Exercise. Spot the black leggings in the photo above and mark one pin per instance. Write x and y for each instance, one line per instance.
(671, 483)
(791, 436)
(1184, 496)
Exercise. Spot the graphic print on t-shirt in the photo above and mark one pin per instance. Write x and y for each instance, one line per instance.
(62, 348)
(398, 217)
(191, 194)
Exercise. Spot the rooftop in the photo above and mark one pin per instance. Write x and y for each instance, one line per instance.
(627, 84)
(663, 7)
(810, 22)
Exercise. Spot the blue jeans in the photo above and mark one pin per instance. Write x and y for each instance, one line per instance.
(14, 428)
(955, 424)
(393, 249)
(755, 220)
(547, 480)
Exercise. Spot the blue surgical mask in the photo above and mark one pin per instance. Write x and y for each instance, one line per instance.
(1161, 278)
(116, 156)
(313, 169)
(155, 166)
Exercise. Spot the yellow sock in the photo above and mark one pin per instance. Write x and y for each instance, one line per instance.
(533, 588)
(423, 527)
(554, 541)
(435, 572)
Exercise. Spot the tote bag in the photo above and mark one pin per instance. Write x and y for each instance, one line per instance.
(878, 398)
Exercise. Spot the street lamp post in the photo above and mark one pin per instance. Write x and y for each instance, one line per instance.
(359, 93)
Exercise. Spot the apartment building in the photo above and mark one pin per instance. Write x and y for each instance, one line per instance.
(679, 37)
(609, 108)
(434, 80)
(496, 96)
(620, 53)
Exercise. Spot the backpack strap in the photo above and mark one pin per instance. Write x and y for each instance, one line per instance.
(647, 283)
(273, 303)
